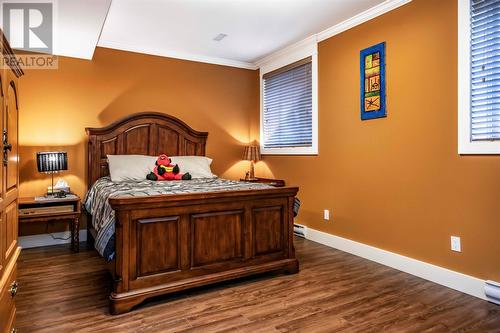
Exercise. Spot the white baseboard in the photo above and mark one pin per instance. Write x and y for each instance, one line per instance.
(443, 276)
(27, 242)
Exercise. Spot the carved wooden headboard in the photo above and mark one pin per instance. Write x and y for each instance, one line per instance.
(147, 133)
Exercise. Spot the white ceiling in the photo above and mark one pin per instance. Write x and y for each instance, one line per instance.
(78, 26)
(185, 28)
(254, 28)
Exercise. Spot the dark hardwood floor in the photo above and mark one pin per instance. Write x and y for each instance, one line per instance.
(61, 291)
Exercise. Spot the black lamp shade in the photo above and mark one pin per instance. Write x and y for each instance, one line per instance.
(52, 161)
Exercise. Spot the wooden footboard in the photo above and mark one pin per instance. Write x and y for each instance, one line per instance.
(170, 243)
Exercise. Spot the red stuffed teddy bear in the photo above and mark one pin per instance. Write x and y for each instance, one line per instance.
(165, 170)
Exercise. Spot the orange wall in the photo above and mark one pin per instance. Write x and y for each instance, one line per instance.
(398, 183)
(57, 105)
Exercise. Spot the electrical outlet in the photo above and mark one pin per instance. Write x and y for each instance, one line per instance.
(455, 244)
(326, 215)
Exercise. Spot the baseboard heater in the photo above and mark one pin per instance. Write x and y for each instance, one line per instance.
(299, 230)
(492, 291)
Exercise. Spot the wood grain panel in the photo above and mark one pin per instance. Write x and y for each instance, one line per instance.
(7, 304)
(168, 141)
(2, 219)
(2, 243)
(137, 140)
(2, 101)
(103, 170)
(10, 230)
(109, 147)
(216, 237)
(190, 147)
(158, 245)
(11, 119)
(268, 230)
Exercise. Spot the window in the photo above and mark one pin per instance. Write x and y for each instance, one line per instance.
(479, 76)
(289, 111)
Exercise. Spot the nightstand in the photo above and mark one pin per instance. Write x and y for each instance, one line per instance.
(273, 182)
(40, 209)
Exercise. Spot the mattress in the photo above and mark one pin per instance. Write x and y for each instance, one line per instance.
(103, 216)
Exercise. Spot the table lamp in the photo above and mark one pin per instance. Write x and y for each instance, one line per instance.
(52, 162)
(252, 154)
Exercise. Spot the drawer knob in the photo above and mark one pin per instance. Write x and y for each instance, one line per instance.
(14, 330)
(13, 289)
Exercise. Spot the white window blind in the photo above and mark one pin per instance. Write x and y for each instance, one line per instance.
(287, 106)
(485, 70)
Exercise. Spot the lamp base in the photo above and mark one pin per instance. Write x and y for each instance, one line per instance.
(250, 175)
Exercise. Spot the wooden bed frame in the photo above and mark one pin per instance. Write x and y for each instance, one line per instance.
(170, 243)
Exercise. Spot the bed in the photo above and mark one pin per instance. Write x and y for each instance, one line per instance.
(175, 240)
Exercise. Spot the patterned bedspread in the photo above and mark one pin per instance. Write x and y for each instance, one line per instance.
(103, 216)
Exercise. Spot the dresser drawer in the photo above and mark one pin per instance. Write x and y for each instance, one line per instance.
(8, 291)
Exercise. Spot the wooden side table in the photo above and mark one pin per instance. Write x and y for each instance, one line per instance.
(46, 210)
(270, 181)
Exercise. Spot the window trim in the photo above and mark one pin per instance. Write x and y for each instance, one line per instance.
(465, 145)
(305, 51)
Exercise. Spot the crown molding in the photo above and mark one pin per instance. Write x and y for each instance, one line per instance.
(177, 55)
(361, 18)
(305, 43)
(356, 20)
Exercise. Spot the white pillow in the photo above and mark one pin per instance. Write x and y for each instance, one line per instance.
(130, 167)
(197, 166)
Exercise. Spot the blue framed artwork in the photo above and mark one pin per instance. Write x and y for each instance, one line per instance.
(372, 65)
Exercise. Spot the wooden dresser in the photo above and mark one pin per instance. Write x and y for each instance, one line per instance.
(9, 175)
